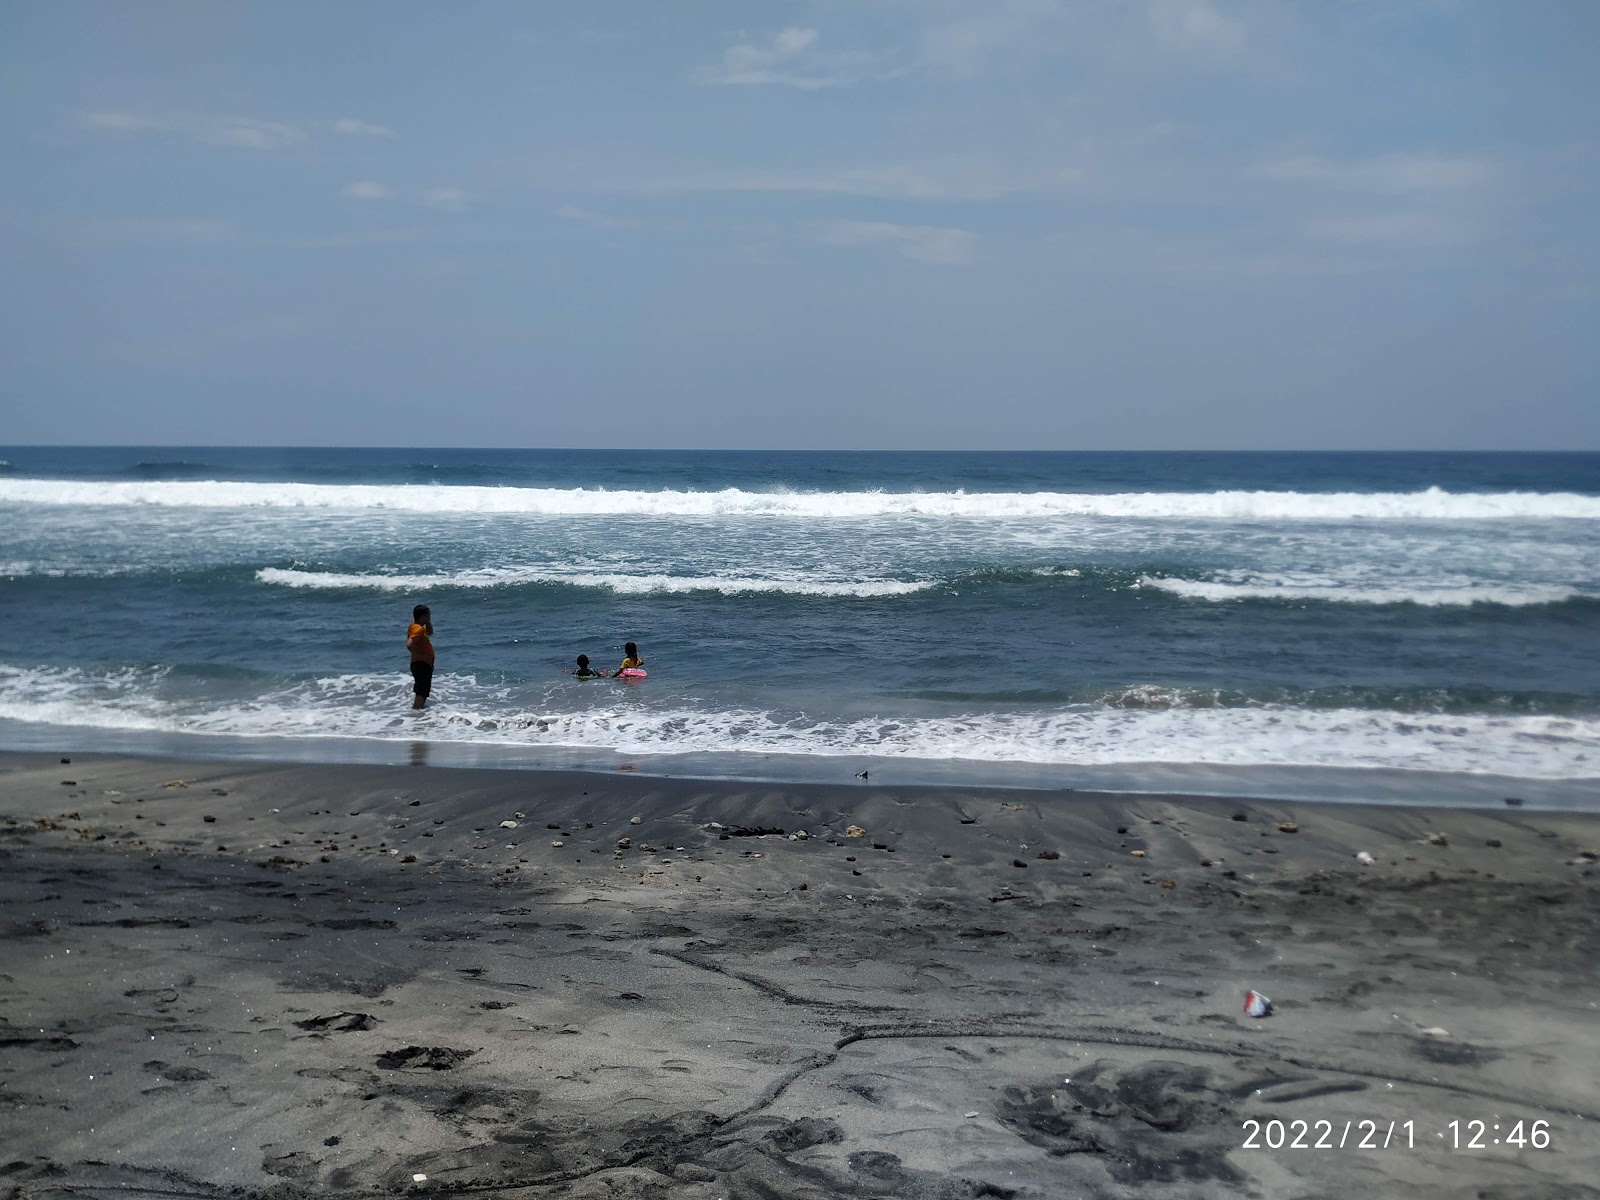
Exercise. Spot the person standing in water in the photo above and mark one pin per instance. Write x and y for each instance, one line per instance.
(419, 640)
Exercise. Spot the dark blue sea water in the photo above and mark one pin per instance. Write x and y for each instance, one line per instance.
(1084, 619)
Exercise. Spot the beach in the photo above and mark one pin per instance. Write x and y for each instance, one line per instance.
(306, 980)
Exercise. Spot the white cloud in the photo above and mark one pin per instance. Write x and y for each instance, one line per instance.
(925, 243)
(355, 240)
(967, 181)
(1396, 230)
(245, 133)
(351, 127)
(453, 199)
(794, 59)
(1396, 174)
(249, 134)
(365, 189)
(1195, 25)
(133, 231)
(119, 122)
(596, 220)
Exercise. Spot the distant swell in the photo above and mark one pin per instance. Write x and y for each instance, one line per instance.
(490, 577)
(1433, 504)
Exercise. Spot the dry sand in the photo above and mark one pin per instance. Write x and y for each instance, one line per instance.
(221, 980)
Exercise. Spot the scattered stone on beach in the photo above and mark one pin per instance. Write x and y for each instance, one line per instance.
(552, 825)
(1364, 858)
(1169, 884)
(799, 835)
(209, 819)
(635, 820)
(508, 824)
(1514, 801)
(415, 804)
(1137, 853)
(1205, 862)
(339, 1022)
(175, 783)
(969, 820)
(1493, 843)
(410, 858)
(66, 760)
(1288, 827)
(1239, 816)
(855, 831)
(1122, 829)
(1049, 855)
(1437, 839)
(624, 843)
(557, 845)
(1017, 862)
(69, 783)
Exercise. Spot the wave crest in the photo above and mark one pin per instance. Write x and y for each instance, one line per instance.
(1430, 505)
(624, 584)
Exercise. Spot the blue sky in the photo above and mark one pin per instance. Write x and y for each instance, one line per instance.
(1024, 224)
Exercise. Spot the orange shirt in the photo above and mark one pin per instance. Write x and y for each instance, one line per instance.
(418, 642)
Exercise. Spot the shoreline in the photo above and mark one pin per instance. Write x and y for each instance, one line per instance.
(325, 980)
(1265, 782)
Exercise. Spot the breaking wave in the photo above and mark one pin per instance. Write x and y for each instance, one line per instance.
(1534, 746)
(1429, 594)
(1240, 506)
(623, 584)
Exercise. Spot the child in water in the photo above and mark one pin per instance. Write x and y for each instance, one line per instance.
(585, 671)
(632, 661)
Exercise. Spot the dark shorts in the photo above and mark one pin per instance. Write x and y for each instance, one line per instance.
(422, 676)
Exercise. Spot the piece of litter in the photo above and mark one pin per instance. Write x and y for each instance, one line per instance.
(1256, 1005)
(972, 1114)
(855, 831)
(1435, 1032)
(557, 845)
(1364, 859)
(419, 1178)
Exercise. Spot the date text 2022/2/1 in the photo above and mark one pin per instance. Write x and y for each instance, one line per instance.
(1369, 1134)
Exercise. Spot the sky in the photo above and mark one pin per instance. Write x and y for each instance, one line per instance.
(843, 224)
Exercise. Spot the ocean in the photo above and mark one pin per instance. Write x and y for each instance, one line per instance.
(1344, 626)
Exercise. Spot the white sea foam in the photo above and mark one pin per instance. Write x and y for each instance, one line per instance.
(371, 706)
(626, 584)
(1429, 505)
(1431, 594)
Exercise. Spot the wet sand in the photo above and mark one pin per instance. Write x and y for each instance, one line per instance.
(232, 980)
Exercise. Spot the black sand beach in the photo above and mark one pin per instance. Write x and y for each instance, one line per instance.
(238, 980)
